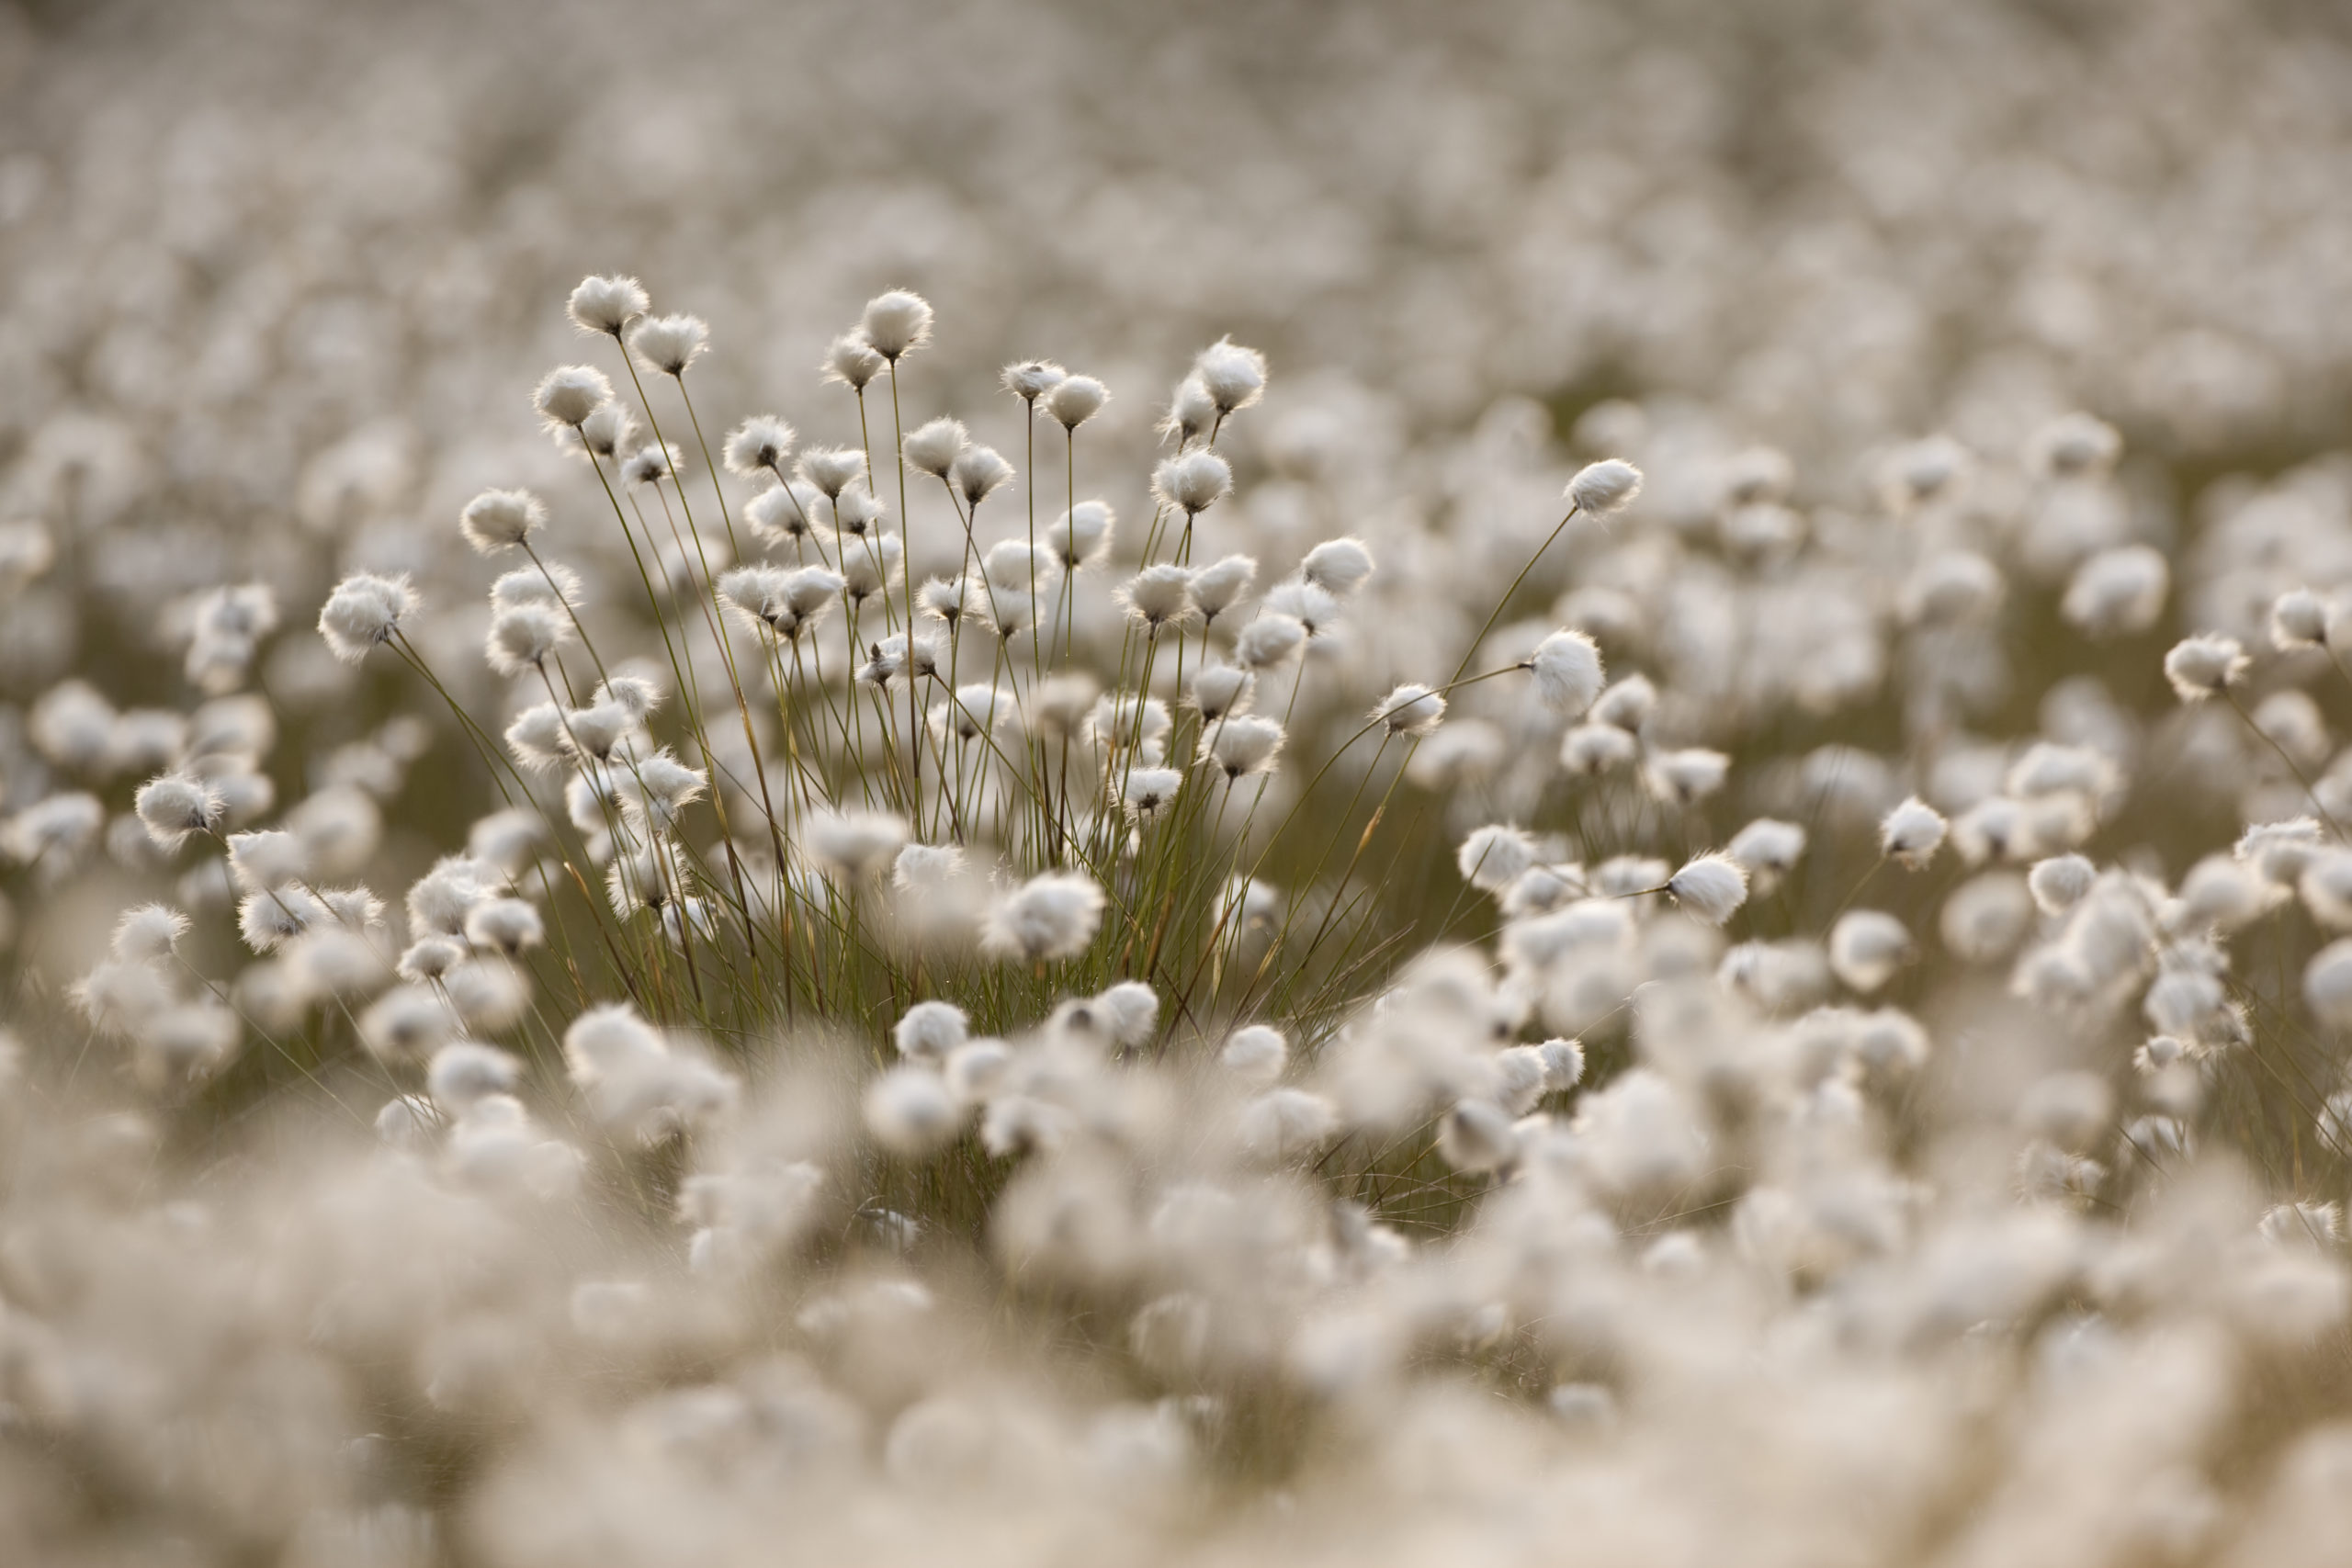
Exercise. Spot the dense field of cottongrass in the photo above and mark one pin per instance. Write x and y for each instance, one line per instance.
(1074, 848)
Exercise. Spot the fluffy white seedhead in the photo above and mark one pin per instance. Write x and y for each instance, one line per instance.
(1130, 1013)
(1866, 947)
(524, 638)
(977, 473)
(2118, 592)
(1075, 399)
(1476, 1135)
(1339, 566)
(2059, 883)
(1604, 487)
(1768, 847)
(149, 934)
(1411, 709)
(1218, 690)
(1081, 535)
(896, 324)
(1192, 412)
(1269, 642)
(1217, 586)
(1687, 776)
(570, 393)
(1049, 916)
(1192, 483)
(1588, 749)
(911, 1111)
(851, 360)
(2201, 667)
(832, 470)
(1146, 793)
(505, 925)
(1233, 376)
(501, 519)
(2298, 619)
(1159, 596)
(934, 445)
(1257, 1055)
(929, 1032)
(1913, 832)
(758, 446)
(853, 846)
(608, 431)
(1712, 887)
(1244, 745)
(1567, 672)
(173, 805)
(607, 305)
(2327, 984)
(1627, 705)
(1493, 857)
(363, 613)
(1031, 379)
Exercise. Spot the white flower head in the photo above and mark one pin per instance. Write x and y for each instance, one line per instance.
(1192, 483)
(1411, 709)
(1567, 672)
(1075, 399)
(1051, 915)
(1493, 857)
(933, 446)
(171, 807)
(607, 305)
(364, 612)
(1244, 745)
(1158, 596)
(501, 519)
(2200, 667)
(1233, 376)
(896, 324)
(855, 846)
(1712, 887)
(570, 393)
(1913, 832)
(1030, 380)
(758, 446)
(1081, 535)
(1600, 489)
(1339, 566)
(851, 360)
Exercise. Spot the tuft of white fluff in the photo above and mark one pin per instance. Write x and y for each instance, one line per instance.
(1244, 745)
(1030, 380)
(1192, 481)
(501, 519)
(1081, 535)
(896, 324)
(363, 613)
(1219, 585)
(1075, 399)
(1269, 642)
(1474, 1135)
(1050, 916)
(1232, 376)
(911, 1112)
(2200, 667)
(2327, 984)
(1411, 709)
(1339, 566)
(607, 304)
(2298, 619)
(934, 445)
(1256, 1053)
(1768, 847)
(758, 446)
(1866, 947)
(855, 845)
(2059, 883)
(2118, 592)
(1604, 487)
(1567, 672)
(1493, 857)
(171, 807)
(570, 393)
(1712, 887)
(1912, 832)
(928, 1032)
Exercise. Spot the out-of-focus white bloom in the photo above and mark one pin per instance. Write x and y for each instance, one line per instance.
(1687, 776)
(1712, 887)
(607, 304)
(364, 612)
(1866, 948)
(1081, 535)
(1411, 709)
(930, 1032)
(933, 446)
(2200, 667)
(1269, 642)
(1193, 481)
(911, 1112)
(854, 846)
(1158, 596)
(1256, 1053)
(2118, 592)
(1600, 489)
(1912, 832)
(570, 393)
(1245, 744)
(1051, 915)
(1339, 566)
(171, 807)
(1493, 857)
(501, 519)
(1567, 672)
(1232, 376)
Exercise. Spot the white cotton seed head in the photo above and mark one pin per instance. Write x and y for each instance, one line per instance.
(1687, 776)
(149, 933)
(896, 324)
(1866, 947)
(1768, 847)
(1131, 1013)
(607, 304)
(1493, 857)
(1192, 412)
(1588, 749)
(758, 446)
(505, 925)
(523, 638)
(928, 1032)
(1158, 596)
(1218, 690)
(1567, 672)
(1269, 642)
(2327, 984)
(1146, 793)
(173, 805)
(2199, 667)
(553, 586)
(1232, 376)
(1031, 379)
(1627, 705)
(570, 393)
(2298, 619)
(977, 1069)
(1051, 915)
(977, 473)
(1339, 566)
(465, 1071)
(501, 519)
(911, 1112)
(1257, 1055)
(608, 431)
(1311, 607)
(1081, 535)
(1075, 399)
(853, 846)
(2118, 592)
(1712, 887)
(1219, 585)
(1912, 832)
(1193, 481)
(1604, 487)
(363, 613)
(832, 470)
(1245, 744)
(1476, 1135)
(851, 360)
(1411, 709)
(2059, 883)
(934, 445)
